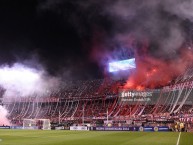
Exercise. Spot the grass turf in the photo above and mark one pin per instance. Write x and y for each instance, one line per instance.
(61, 137)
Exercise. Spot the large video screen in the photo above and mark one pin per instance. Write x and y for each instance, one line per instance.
(122, 65)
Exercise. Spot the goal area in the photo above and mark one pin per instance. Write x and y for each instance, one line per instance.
(43, 124)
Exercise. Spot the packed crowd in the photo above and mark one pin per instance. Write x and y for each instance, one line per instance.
(92, 100)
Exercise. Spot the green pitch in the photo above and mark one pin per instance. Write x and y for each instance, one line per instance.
(39, 137)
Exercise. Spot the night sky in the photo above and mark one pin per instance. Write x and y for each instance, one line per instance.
(76, 38)
(59, 36)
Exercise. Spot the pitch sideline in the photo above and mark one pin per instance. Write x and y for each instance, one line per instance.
(178, 141)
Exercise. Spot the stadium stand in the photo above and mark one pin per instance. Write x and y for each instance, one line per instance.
(95, 100)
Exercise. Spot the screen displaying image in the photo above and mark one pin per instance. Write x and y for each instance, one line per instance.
(122, 65)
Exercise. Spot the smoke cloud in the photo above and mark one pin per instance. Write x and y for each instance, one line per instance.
(3, 116)
(20, 80)
(157, 27)
(183, 9)
(151, 31)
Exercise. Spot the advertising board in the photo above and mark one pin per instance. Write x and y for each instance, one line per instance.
(79, 128)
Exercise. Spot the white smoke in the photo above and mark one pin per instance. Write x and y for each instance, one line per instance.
(182, 8)
(3, 116)
(21, 80)
(147, 18)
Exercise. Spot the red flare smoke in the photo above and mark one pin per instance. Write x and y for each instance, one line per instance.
(154, 73)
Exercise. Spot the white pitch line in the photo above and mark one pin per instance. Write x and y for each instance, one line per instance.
(178, 139)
